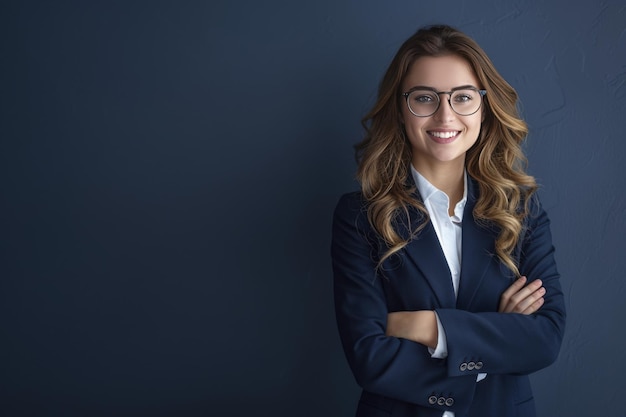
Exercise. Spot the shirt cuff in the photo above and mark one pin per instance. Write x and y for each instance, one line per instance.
(441, 350)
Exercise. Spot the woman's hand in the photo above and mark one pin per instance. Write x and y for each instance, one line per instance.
(418, 326)
(521, 298)
(421, 326)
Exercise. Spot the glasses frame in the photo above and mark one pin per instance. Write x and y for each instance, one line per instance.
(449, 93)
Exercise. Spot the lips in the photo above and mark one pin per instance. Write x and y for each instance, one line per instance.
(443, 136)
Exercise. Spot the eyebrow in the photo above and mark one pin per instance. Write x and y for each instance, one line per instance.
(425, 87)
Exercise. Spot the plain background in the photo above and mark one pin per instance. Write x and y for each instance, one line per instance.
(169, 170)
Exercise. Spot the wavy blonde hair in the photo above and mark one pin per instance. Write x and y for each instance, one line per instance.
(496, 160)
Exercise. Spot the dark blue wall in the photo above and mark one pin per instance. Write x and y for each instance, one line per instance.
(169, 170)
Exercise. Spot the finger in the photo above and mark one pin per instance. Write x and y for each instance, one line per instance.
(509, 292)
(519, 301)
(534, 307)
(528, 301)
(513, 295)
(525, 292)
(517, 285)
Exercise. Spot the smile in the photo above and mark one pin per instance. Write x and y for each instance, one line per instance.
(444, 135)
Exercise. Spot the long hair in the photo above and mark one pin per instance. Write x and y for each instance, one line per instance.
(495, 161)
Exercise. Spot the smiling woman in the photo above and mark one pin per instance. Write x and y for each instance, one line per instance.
(440, 138)
(446, 290)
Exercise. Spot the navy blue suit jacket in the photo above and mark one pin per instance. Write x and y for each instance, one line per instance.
(398, 376)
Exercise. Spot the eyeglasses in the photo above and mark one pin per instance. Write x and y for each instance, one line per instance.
(425, 101)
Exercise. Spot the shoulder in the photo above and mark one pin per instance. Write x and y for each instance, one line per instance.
(536, 215)
(351, 202)
(350, 214)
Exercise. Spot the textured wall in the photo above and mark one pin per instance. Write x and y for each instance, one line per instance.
(169, 170)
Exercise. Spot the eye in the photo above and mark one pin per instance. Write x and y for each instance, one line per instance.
(424, 99)
(463, 97)
(421, 97)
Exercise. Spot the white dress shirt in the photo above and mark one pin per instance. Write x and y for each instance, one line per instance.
(449, 233)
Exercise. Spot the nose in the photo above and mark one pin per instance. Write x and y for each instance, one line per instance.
(444, 112)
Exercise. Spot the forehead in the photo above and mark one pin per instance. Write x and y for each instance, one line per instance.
(441, 72)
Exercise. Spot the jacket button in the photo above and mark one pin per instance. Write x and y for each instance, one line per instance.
(449, 402)
(479, 365)
(432, 400)
(441, 401)
(471, 366)
(463, 367)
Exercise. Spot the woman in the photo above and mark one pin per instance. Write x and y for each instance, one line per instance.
(446, 290)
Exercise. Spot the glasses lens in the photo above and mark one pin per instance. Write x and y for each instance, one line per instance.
(465, 102)
(423, 102)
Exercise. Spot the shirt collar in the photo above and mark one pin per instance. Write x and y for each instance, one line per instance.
(429, 191)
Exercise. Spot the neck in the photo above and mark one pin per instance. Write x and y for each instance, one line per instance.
(448, 179)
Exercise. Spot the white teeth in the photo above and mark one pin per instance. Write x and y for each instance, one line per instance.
(444, 135)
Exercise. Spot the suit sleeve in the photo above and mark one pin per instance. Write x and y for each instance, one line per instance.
(512, 343)
(388, 366)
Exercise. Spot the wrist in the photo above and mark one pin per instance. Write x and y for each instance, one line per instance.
(427, 332)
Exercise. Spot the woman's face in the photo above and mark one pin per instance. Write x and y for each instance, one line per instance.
(442, 139)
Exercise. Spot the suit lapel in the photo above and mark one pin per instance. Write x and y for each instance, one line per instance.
(478, 251)
(426, 254)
